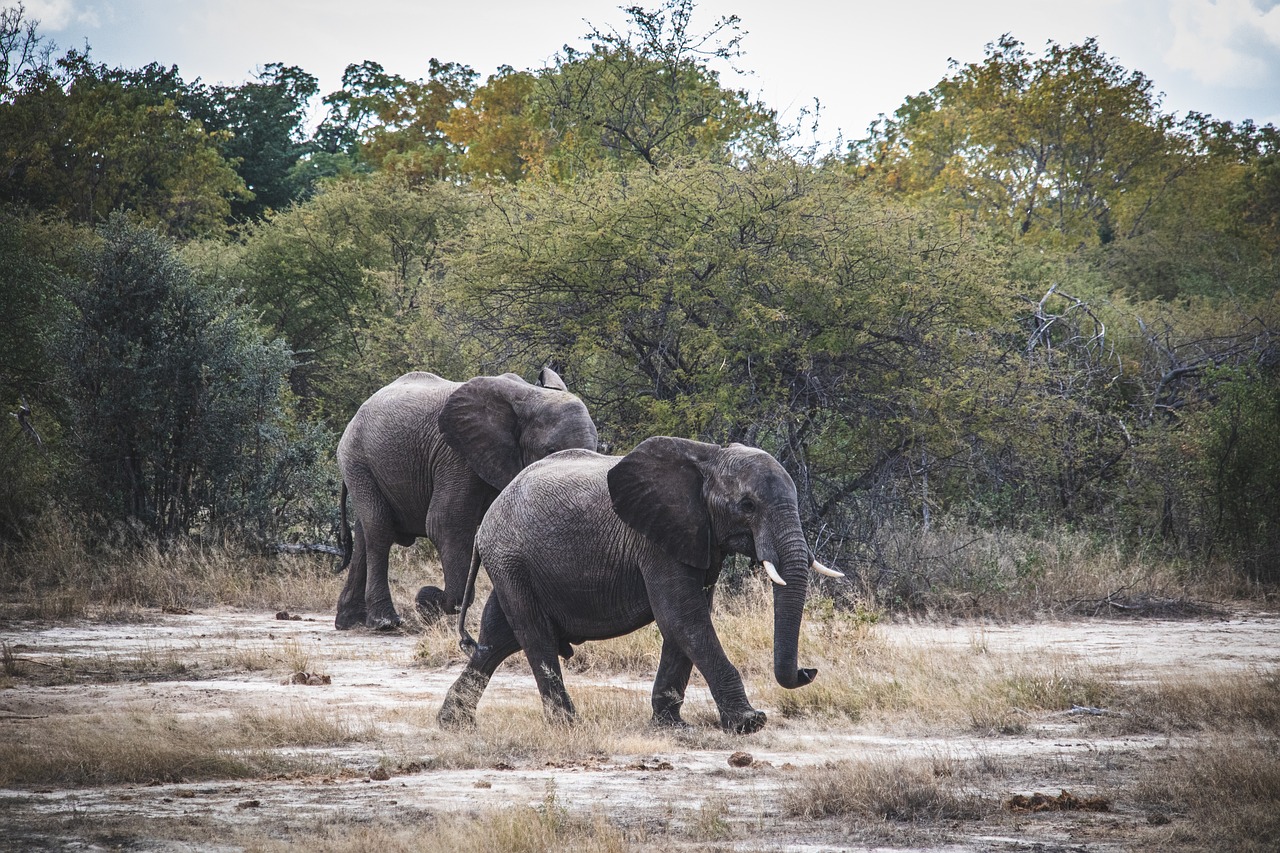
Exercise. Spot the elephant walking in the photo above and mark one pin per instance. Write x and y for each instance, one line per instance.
(582, 546)
(425, 457)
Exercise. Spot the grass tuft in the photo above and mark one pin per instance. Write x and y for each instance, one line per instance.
(913, 791)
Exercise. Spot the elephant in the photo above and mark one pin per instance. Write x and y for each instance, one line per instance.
(582, 546)
(425, 456)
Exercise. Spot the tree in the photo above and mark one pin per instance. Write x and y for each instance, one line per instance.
(351, 279)
(86, 140)
(36, 254)
(648, 96)
(177, 402)
(393, 123)
(779, 305)
(23, 51)
(261, 125)
(1068, 147)
(500, 134)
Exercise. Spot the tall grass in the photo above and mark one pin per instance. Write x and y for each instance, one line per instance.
(1229, 787)
(950, 569)
(942, 570)
(137, 747)
(57, 573)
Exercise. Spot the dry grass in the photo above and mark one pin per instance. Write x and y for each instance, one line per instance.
(138, 747)
(1229, 788)
(56, 575)
(909, 790)
(547, 828)
(1240, 701)
(954, 570)
(611, 721)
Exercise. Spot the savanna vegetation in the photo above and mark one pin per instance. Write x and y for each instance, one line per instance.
(1024, 328)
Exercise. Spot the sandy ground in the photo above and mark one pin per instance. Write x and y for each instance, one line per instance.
(377, 677)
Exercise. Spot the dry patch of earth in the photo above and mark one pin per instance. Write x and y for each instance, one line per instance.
(392, 767)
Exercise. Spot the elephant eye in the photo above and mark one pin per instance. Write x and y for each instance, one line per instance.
(747, 505)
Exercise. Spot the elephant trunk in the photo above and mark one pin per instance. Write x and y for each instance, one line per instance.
(793, 561)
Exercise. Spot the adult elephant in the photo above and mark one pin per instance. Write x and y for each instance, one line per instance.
(582, 546)
(425, 457)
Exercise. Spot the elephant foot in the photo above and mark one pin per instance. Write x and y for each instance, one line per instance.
(431, 604)
(453, 715)
(669, 722)
(384, 623)
(348, 619)
(748, 723)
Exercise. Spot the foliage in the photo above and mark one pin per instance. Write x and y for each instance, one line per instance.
(1241, 462)
(1030, 300)
(84, 139)
(648, 96)
(1069, 145)
(34, 255)
(392, 123)
(176, 402)
(260, 125)
(499, 132)
(350, 279)
(778, 305)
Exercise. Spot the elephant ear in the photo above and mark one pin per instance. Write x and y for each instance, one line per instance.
(657, 490)
(548, 378)
(479, 422)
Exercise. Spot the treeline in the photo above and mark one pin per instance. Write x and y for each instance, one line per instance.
(1029, 299)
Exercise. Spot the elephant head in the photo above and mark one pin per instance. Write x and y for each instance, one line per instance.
(699, 502)
(502, 424)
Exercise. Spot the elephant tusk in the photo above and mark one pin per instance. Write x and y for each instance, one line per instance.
(773, 573)
(823, 570)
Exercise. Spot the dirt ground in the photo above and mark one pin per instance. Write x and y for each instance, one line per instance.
(658, 782)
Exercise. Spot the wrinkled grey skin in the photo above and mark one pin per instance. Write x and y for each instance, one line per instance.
(425, 457)
(586, 547)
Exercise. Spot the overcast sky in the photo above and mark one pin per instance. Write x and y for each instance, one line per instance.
(858, 59)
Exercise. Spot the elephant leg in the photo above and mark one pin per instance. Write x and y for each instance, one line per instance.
(674, 669)
(539, 638)
(672, 679)
(380, 609)
(455, 558)
(367, 591)
(351, 607)
(683, 614)
(497, 642)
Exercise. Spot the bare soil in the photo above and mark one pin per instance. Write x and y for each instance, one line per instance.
(664, 789)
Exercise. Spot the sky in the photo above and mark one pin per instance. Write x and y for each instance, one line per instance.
(855, 59)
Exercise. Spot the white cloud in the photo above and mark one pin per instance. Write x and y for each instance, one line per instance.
(1224, 42)
(55, 15)
(52, 14)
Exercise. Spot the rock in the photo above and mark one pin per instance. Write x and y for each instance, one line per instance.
(741, 759)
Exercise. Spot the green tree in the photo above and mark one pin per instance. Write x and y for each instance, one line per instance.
(177, 403)
(1069, 146)
(85, 139)
(778, 304)
(351, 279)
(36, 254)
(262, 127)
(392, 123)
(648, 96)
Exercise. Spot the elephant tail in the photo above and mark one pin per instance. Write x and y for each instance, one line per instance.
(344, 531)
(465, 641)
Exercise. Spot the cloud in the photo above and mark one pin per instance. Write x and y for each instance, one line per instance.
(57, 15)
(1225, 42)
